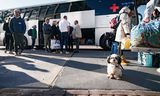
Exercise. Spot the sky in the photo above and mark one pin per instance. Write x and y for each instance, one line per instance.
(10, 4)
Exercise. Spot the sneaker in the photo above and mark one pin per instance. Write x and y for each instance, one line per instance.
(10, 52)
(16, 54)
(5, 51)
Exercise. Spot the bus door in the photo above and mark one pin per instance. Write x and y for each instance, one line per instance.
(40, 34)
(29, 25)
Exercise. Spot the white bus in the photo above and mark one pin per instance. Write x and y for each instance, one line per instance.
(93, 16)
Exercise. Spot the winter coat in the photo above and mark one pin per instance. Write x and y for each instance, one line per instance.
(17, 25)
(150, 8)
(77, 32)
(124, 26)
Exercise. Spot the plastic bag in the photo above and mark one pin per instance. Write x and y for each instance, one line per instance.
(55, 44)
(146, 35)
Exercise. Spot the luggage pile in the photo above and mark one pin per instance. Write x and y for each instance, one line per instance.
(146, 35)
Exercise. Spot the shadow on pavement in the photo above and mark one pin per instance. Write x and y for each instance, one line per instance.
(22, 63)
(47, 59)
(15, 79)
(86, 66)
(143, 79)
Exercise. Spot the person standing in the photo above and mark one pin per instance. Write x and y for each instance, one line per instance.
(64, 28)
(8, 37)
(34, 35)
(149, 10)
(70, 39)
(77, 34)
(123, 29)
(47, 30)
(18, 27)
(55, 30)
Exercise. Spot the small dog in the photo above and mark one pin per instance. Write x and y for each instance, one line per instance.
(114, 67)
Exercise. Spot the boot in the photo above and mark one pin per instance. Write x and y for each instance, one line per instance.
(123, 61)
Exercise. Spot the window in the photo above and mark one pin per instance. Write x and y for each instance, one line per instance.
(63, 8)
(34, 13)
(1, 17)
(27, 14)
(50, 11)
(42, 12)
(78, 6)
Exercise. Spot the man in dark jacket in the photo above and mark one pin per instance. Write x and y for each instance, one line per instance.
(18, 27)
(47, 30)
(8, 37)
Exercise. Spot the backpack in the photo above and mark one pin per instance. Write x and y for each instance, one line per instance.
(30, 32)
(114, 22)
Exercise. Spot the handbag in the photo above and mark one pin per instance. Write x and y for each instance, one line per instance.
(55, 44)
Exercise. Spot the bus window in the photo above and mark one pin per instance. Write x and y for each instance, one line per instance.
(1, 17)
(43, 12)
(61, 8)
(34, 14)
(78, 6)
(27, 14)
(50, 11)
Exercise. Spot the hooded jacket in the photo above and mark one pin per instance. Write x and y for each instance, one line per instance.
(124, 26)
(150, 8)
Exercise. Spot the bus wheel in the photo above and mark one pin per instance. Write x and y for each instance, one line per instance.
(106, 41)
(25, 42)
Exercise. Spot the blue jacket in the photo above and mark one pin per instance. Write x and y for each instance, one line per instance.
(17, 25)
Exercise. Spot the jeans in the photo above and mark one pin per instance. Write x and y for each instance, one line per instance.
(64, 40)
(18, 41)
(8, 41)
(77, 40)
(33, 42)
(70, 43)
(47, 42)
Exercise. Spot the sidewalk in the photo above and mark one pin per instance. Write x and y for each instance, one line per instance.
(83, 74)
(87, 70)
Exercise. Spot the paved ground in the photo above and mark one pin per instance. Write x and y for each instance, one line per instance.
(87, 70)
(38, 73)
(32, 69)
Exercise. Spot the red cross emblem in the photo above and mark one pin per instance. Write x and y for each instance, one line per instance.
(114, 7)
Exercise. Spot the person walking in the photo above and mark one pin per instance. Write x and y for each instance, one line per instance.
(18, 27)
(77, 34)
(34, 35)
(47, 30)
(64, 28)
(8, 37)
